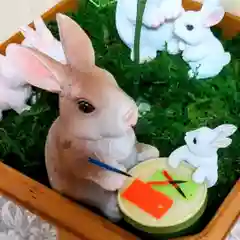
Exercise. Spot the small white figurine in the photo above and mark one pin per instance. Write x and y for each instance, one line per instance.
(201, 49)
(14, 90)
(43, 40)
(201, 151)
(157, 27)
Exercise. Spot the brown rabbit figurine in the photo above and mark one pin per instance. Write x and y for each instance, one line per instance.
(96, 120)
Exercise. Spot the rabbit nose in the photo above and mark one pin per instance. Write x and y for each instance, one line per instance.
(131, 117)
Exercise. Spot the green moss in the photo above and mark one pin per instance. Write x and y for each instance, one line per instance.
(177, 105)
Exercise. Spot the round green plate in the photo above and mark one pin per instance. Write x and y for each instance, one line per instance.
(183, 213)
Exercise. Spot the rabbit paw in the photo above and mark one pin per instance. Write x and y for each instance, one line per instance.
(173, 162)
(157, 25)
(211, 182)
(153, 19)
(118, 181)
(158, 22)
(171, 12)
(108, 180)
(198, 176)
(212, 179)
(115, 181)
(146, 152)
(182, 46)
(146, 55)
(173, 47)
(111, 209)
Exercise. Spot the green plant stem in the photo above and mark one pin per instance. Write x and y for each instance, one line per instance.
(140, 10)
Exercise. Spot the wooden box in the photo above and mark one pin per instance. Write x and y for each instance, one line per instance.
(74, 221)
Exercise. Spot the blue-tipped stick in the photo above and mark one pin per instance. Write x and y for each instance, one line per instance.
(108, 167)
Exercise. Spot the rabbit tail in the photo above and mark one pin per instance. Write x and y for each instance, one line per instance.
(227, 58)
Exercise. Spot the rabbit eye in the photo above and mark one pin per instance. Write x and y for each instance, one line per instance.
(195, 141)
(85, 106)
(189, 27)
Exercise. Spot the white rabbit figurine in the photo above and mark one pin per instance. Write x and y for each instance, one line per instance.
(201, 49)
(14, 90)
(157, 27)
(43, 40)
(201, 151)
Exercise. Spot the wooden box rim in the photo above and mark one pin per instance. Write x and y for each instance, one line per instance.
(80, 222)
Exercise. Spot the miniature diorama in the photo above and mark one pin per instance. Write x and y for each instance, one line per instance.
(108, 132)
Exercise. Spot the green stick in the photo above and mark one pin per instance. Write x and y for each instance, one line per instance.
(140, 10)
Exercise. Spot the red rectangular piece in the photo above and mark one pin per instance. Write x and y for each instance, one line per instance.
(145, 197)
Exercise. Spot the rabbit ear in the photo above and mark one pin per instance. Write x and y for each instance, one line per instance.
(212, 15)
(28, 33)
(38, 37)
(226, 130)
(222, 142)
(37, 68)
(42, 29)
(77, 46)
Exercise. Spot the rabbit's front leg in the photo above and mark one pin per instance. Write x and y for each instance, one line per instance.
(195, 54)
(1, 115)
(114, 181)
(189, 56)
(182, 46)
(108, 180)
(173, 46)
(199, 175)
(180, 154)
(152, 17)
(146, 152)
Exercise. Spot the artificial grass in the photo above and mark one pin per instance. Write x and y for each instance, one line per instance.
(177, 105)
